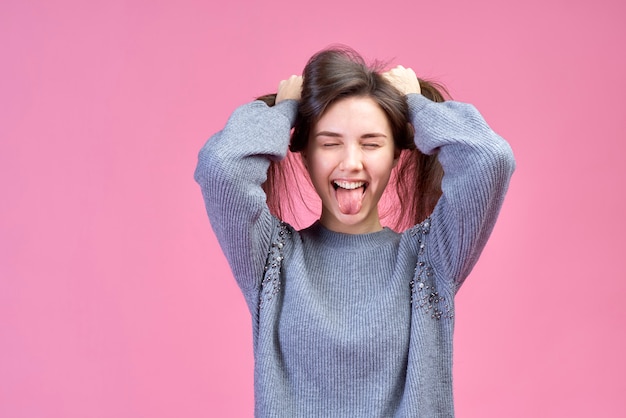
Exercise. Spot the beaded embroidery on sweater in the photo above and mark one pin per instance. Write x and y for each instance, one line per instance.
(424, 294)
(271, 279)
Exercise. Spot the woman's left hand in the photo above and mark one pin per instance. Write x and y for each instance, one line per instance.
(403, 79)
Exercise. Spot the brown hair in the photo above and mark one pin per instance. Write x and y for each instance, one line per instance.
(337, 73)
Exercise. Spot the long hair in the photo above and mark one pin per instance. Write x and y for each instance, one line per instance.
(337, 73)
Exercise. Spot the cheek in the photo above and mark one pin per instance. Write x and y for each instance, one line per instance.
(313, 168)
(383, 165)
(317, 176)
(318, 164)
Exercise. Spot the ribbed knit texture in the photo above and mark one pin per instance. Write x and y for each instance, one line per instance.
(353, 325)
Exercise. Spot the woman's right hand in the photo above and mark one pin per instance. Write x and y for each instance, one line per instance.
(289, 89)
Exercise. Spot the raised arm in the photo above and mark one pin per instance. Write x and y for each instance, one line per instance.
(231, 168)
(478, 165)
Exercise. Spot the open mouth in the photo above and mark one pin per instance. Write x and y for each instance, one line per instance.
(349, 185)
(349, 195)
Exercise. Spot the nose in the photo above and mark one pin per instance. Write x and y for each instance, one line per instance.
(352, 159)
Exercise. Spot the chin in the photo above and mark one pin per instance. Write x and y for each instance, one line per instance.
(351, 224)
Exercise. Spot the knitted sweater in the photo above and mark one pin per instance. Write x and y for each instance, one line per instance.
(353, 325)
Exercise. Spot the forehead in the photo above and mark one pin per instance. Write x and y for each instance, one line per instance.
(353, 113)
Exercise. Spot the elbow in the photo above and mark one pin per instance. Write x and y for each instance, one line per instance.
(506, 159)
(501, 159)
(211, 159)
(208, 168)
(201, 173)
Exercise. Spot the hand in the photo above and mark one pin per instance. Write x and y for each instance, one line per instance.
(403, 79)
(289, 89)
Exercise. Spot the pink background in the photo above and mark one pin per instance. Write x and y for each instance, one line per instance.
(115, 300)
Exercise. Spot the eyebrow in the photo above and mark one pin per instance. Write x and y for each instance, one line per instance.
(338, 135)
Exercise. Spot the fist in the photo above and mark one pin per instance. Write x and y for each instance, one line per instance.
(289, 89)
(403, 79)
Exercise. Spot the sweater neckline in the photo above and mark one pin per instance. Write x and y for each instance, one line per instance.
(350, 241)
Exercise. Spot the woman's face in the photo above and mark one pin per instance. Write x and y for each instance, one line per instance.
(349, 157)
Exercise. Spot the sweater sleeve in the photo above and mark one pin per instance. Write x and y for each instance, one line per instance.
(477, 164)
(232, 166)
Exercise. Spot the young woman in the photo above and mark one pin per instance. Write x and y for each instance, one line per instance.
(350, 318)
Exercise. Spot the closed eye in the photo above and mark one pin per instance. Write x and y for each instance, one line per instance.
(373, 140)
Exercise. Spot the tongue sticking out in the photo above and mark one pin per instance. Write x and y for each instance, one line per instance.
(350, 201)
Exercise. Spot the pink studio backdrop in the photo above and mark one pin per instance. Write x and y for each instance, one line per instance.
(115, 300)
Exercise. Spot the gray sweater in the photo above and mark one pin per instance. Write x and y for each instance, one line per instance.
(353, 325)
